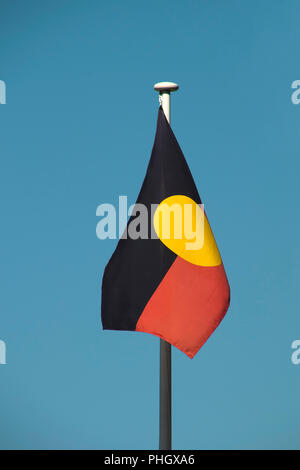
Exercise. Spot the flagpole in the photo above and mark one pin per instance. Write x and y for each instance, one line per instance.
(165, 374)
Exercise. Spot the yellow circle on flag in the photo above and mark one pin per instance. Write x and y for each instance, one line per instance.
(181, 224)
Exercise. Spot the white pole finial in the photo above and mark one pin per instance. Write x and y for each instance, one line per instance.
(165, 88)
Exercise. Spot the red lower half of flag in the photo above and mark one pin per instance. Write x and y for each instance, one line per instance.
(187, 306)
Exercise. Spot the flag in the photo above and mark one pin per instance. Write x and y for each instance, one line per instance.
(166, 276)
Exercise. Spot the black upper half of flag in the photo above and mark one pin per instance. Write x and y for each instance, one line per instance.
(137, 267)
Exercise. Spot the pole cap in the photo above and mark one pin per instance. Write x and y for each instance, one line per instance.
(165, 87)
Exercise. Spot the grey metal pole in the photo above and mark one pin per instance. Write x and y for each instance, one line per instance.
(165, 397)
(165, 374)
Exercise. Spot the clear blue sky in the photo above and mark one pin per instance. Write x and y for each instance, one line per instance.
(77, 131)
